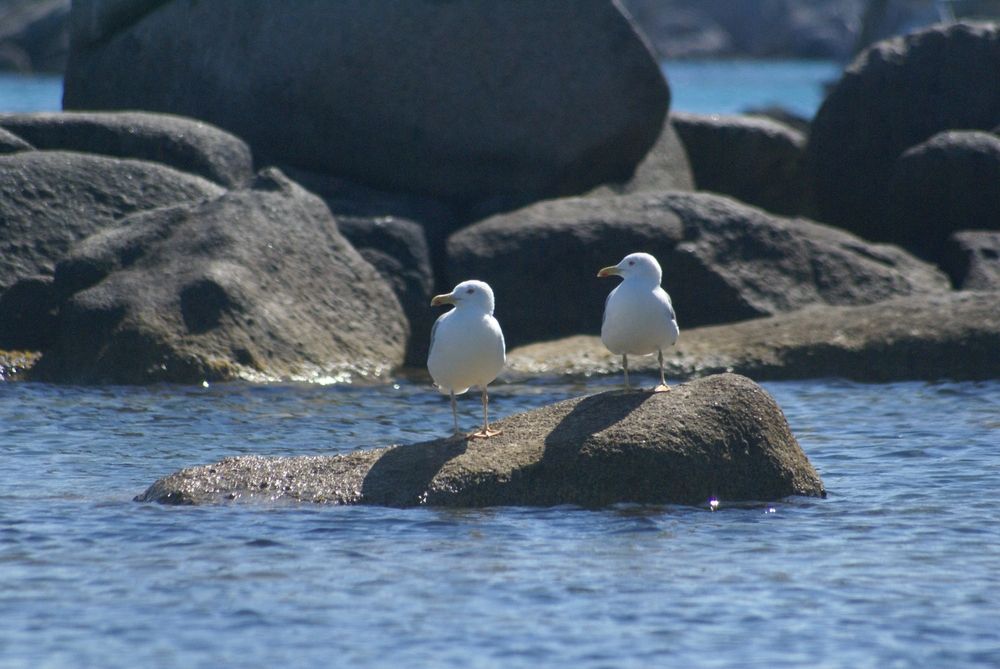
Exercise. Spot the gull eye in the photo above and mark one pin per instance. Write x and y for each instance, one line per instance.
(631, 263)
(470, 291)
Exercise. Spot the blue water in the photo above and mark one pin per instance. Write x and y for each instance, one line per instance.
(898, 567)
(708, 86)
(733, 86)
(25, 93)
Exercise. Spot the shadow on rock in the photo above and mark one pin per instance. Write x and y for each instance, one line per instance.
(402, 475)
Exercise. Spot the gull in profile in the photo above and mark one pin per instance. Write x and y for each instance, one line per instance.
(467, 347)
(639, 318)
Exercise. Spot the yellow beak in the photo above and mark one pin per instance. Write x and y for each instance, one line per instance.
(442, 299)
(609, 271)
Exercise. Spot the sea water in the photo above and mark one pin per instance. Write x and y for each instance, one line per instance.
(898, 567)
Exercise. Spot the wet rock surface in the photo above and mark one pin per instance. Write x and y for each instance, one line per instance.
(721, 437)
(942, 336)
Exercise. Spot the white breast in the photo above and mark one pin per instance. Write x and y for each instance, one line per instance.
(467, 349)
(638, 321)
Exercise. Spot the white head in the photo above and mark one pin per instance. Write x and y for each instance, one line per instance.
(468, 294)
(636, 267)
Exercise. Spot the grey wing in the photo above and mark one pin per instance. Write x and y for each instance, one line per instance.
(605, 316)
(670, 304)
(434, 330)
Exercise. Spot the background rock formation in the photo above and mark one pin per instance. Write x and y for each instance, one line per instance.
(895, 95)
(256, 283)
(722, 260)
(465, 101)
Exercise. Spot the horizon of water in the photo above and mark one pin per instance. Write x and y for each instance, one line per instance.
(702, 86)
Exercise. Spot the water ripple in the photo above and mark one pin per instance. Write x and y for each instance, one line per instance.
(894, 568)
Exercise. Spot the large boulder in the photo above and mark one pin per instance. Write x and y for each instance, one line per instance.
(895, 95)
(255, 284)
(184, 144)
(50, 199)
(953, 335)
(465, 100)
(950, 182)
(753, 159)
(722, 261)
(722, 437)
(972, 259)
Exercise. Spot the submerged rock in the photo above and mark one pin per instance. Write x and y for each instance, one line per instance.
(942, 336)
(722, 437)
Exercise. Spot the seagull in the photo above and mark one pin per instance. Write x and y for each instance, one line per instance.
(467, 347)
(638, 315)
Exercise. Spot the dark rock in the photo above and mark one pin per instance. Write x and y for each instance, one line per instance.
(33, 35)
(953, 335)
(895, 95)
(950, 182)
(397, 249)
(722, 261)
(27, 314)
(11, 143)
(256, 284)
(756, 160)
(184, 144)
(665, 167)
(463, 101)
(48, 200)
(95, 21)
(972, 259)
(722, 437)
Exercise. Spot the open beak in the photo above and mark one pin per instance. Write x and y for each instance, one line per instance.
(609, 271)
(442, 299)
